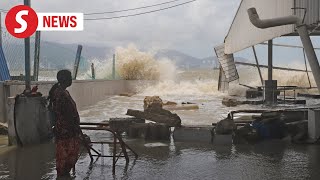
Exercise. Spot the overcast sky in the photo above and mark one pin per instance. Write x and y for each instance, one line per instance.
(193, 28)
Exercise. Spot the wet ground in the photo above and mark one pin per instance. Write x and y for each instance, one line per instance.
(175, 160)
(170, 160)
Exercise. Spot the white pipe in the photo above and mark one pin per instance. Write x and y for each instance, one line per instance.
(268, 23)
(303, 33)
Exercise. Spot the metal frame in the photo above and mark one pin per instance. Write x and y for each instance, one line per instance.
(117, 139)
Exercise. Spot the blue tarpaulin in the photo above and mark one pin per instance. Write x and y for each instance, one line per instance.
(4, 70)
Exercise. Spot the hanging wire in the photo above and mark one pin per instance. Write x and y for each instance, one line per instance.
(138, 14)
(132, 9)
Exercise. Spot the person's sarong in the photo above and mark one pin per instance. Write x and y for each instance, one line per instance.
(67, 152)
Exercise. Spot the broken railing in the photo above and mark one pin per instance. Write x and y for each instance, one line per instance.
(117, 140)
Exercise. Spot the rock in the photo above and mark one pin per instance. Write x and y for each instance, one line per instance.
(225, 126)
(160, 116)
(3, 130)
(230, 102)
(152, 103)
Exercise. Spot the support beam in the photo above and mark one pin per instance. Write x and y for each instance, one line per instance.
(303, 33)
(305, 63)
(274, 67)
(36, 57)
(257, 62)
(27, 57)
(288, 46)
(311, 55)
(270, 54)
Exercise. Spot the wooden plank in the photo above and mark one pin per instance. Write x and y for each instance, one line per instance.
(172, 120)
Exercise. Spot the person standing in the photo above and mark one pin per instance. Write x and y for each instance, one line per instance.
(67, 124)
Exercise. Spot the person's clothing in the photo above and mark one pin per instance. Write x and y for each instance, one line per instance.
(67, 152)
(66, 131)
(66, 114)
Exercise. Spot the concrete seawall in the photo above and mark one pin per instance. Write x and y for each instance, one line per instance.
(84, 92)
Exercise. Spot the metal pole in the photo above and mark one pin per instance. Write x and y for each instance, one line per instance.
(93, 71)
(77, 61)
(311, 55)
(114, 67)
(258, 66)
(305, 63)
(27, 56)
(0, 29)
(36, 57)
(270, 53)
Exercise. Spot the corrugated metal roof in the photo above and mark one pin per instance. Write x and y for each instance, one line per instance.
(4, 70)
(243, 34)
(312, 8)
(227, 64)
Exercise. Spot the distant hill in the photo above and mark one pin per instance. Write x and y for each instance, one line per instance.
(58, 56)
(186, 61)
(53, 55)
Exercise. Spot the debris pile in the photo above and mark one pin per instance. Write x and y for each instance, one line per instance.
(269, 125)
(153, 111)
(136, 126)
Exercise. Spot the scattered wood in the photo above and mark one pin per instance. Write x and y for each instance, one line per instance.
(169, 103)
(162, 116)
(127, 94)
(181, 107)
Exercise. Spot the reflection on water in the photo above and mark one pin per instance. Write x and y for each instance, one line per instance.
(267, 160)
(34, 162)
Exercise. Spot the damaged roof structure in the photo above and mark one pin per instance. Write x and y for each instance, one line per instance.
(243, 34)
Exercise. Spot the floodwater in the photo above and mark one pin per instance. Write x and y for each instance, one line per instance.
(174, 160)
(171, 160)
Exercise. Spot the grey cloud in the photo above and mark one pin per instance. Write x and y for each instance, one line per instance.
(193, 28)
